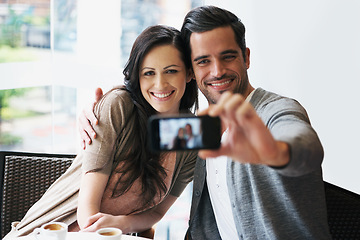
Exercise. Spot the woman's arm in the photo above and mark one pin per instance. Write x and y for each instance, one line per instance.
(131, 223)
(92, 188)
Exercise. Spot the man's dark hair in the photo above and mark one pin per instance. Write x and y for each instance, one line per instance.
(207, 18)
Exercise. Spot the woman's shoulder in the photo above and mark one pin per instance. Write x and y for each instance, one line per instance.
(119, 94)
(117, 100)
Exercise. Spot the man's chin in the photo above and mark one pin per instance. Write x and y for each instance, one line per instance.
(213, 98)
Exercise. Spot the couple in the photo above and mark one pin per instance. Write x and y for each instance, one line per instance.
(186, 139)
(265, 182)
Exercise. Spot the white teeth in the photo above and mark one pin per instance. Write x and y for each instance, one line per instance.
(162, 95)
(220, 84)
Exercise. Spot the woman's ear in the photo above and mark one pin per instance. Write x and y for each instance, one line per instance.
(190, 76)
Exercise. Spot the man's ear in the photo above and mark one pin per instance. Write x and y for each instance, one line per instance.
(247, 61)
(190, 76)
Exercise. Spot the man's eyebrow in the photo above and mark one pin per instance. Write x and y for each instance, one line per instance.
(222, 53)
(200, 57)
(229, 51)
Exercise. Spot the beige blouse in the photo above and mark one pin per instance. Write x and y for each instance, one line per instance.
(59, 203)
(115, 114)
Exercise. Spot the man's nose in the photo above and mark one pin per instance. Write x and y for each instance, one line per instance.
(218, 69)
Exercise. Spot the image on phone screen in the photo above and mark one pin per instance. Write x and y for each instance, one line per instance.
(185, 133)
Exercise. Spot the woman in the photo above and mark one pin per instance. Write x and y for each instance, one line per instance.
(179, 141)
(117, 181)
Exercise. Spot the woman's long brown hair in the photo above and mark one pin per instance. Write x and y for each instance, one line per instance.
(139, 162)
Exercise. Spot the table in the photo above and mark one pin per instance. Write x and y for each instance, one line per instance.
(84, 236)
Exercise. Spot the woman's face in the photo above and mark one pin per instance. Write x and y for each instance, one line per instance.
(163, 78)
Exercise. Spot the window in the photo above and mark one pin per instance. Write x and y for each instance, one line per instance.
(54, 53)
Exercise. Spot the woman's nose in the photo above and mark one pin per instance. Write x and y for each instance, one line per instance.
(160, 81)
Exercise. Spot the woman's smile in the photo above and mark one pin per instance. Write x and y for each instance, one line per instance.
(162, 95)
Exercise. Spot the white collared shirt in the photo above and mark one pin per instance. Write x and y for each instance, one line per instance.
(219, 195)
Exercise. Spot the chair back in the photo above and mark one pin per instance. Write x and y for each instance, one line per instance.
(24, 179)
(343, 208)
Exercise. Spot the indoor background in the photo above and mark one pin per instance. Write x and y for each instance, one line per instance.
(54, 53)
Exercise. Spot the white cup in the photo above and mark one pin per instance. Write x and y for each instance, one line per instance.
(51, 231)
(109, 234)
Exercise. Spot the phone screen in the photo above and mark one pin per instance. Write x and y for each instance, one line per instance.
(184, 133)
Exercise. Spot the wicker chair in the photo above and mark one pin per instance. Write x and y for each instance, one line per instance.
(343, 209)
(24, 179)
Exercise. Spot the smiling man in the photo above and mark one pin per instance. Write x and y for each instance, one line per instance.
(265, 182)
(218, 63)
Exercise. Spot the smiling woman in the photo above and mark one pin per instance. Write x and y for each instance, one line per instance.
(159, 78)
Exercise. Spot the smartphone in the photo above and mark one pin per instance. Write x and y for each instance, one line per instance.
(184, 132)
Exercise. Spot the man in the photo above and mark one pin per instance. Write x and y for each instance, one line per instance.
(192, 140)
(265, 181)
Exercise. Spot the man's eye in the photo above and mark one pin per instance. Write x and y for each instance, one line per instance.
(229, 57)
(202, 61)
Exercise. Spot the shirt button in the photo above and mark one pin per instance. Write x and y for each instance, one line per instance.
(197, 193)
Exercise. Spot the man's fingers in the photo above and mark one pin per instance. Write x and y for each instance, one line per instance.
(98, 94)
(82, 144)
(85, 138)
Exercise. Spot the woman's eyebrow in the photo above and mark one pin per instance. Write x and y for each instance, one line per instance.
(147, 68)
(172, 65)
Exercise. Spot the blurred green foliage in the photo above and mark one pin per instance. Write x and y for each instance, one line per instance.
(11, 29)
(5, 95)
(9, 139)
(9, 54)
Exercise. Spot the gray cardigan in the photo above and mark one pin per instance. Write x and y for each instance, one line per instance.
(267, 202)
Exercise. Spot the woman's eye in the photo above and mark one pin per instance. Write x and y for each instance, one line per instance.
(171, 71)
(149, 73)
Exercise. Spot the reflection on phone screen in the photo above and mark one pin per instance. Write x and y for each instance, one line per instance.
(179, 134)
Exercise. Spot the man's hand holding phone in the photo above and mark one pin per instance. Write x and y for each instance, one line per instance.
(248, 139)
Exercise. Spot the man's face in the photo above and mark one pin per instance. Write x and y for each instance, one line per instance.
(218, 63)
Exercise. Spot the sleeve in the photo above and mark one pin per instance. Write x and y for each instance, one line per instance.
(112, 112)
(185, 172)
(289, 122)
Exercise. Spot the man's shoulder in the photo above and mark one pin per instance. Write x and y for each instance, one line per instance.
(262, 98)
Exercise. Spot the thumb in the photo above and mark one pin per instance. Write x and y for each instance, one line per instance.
(212, 153)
